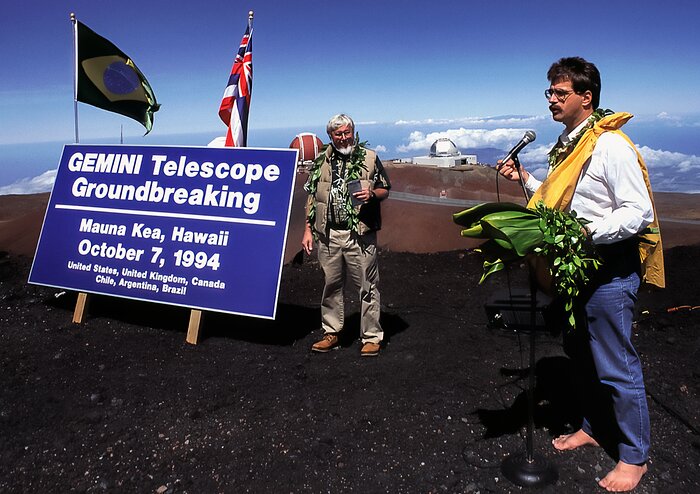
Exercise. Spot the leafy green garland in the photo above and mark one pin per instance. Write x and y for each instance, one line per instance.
(559, 153)
(568, 250)
(353, 171)
(513, 232)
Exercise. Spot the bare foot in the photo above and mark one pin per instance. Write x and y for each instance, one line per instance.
(573, 441)
(624, 477)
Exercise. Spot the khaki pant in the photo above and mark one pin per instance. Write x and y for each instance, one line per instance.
(344, 252)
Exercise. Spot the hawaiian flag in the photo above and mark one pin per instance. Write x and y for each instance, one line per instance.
(236, 101)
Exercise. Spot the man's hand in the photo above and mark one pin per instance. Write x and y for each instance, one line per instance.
(364, 195)
(307, 241)
(511, 172)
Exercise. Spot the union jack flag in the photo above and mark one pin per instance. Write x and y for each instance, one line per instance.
(236, 100)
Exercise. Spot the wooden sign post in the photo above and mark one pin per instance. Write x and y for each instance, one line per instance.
(80, 308)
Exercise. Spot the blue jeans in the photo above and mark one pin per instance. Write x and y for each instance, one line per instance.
(615, 405)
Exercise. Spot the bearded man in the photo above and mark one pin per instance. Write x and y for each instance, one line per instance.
(345, 187)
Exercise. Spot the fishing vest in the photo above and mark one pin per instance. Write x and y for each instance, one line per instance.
(369, 213)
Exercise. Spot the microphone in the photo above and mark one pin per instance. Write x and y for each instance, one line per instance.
(527, 139)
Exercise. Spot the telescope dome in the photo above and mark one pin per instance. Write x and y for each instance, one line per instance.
(444, 147)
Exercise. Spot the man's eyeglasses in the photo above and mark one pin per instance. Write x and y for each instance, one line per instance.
(342, 135)
(560, 94)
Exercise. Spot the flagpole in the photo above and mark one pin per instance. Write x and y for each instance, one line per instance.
(82, 301)
(75, 74)
(250, 31)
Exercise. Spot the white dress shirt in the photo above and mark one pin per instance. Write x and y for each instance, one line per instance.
(610, 192)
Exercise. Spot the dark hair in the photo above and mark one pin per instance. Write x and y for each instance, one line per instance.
(584, 76)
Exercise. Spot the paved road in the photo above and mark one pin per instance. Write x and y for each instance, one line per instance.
(467, 203)
(445, 201)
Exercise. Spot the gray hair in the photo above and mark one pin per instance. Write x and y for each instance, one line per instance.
(337, 121)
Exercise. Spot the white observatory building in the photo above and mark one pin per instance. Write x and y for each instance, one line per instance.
(444, 154)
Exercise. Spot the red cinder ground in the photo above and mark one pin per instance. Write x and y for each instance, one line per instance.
(122, 403)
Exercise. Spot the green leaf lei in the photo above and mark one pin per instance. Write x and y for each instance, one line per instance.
(559, 153)
(571, 255)
(513, 232)
(353, 171)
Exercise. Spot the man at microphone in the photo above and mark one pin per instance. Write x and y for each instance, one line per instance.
(595, 170)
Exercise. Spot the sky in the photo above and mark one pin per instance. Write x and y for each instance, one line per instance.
(406, 71)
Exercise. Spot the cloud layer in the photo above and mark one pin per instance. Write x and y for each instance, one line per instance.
(670, 171)
(463, 138)
(42, 183)
(477, 122)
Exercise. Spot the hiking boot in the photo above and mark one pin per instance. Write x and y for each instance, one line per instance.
(369, 350)
(325, 344)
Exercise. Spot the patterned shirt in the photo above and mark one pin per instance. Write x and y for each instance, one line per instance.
(337, 214)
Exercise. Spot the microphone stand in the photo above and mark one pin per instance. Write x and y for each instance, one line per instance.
(516, 161)
(529, 469)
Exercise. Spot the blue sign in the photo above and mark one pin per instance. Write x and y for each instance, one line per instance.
(192, 226)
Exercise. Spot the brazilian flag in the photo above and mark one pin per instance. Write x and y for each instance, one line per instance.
(110, 80)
